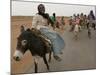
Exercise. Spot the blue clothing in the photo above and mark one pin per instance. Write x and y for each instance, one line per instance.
(56, 40)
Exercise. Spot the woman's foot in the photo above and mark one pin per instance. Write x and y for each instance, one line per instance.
(57, 58)
(61, 52)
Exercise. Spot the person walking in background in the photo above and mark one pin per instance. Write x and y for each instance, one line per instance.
(62, 22)
(92, 19)
(70, 23)
(85, 21)
(72, 20)
(82, 20)
(53, 18)
(76, 31)
(77, 20)
(77, 27)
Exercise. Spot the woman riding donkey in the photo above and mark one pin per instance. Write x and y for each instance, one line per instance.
(40, 22)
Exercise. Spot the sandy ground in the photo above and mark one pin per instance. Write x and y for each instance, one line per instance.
(80, 54)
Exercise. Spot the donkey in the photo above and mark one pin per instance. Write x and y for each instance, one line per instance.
(32, 39)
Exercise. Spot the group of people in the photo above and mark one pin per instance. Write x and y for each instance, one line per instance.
(82, 21)
(58, 23)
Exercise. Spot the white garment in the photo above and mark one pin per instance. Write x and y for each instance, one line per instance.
(76, 29)
(39, 21)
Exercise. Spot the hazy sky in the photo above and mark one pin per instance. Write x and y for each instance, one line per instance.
(30, 8)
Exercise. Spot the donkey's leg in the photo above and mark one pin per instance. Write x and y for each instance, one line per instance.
(45, 61)
(50, 56)
(36, 66)
(36, 63)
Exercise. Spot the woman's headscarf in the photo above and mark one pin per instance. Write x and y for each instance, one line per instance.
(41, 8)
(41, 11)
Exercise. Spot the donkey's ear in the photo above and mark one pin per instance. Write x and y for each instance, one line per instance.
(28, 29)
(22, 28)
